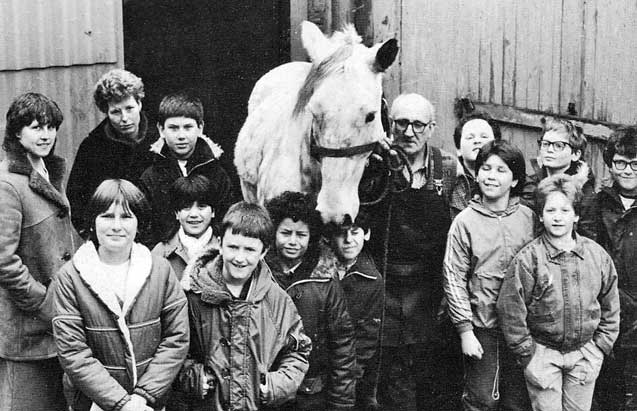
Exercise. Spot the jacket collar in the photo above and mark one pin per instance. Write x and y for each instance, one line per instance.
(106, 130)
(579, 170)
(86, 261)
(555, 252)
(206, 150)
(514, 204)
(206, 279)
(18, 163)
(364, 267)
(319, 263)
(174, 247)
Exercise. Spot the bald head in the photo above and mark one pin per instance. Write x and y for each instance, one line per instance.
(414, 106)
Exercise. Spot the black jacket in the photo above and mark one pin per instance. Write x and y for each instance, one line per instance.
(155, 182)
(365, 294)
(101, 157)
(321, 304)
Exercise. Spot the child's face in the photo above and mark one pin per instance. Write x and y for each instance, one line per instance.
(626, 178)
(558, 216)
(124, 116)
(115, 229)
(552, 157)
(181, 135)
(241, 255)
(347, 244)
(37, 139)
(475, 134)
(292, 240)
(495, 178)
(195, 219)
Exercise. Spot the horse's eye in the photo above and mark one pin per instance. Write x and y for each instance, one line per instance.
(370, 117)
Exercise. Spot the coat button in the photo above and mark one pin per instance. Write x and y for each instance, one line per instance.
(224, 341)
(66, 257)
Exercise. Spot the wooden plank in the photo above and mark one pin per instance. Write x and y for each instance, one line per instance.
(363, 20)
(341, 14)
(298, 13)
(386, 16)
(569, 98)
(589, 59)
(509, 53)
(530, 119)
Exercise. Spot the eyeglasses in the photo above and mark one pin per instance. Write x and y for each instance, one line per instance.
(621, 164)
(417, 126)
(557, 145)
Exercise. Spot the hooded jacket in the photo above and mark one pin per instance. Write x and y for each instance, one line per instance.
(36, 239)
(243, 343)
(559, 299)
(480, 246)
(104, 155)
(156, 181)
(109, 351)
(607, 222)
(321, 303)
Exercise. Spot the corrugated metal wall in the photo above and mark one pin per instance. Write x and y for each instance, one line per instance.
(59, 48)
(541, 56)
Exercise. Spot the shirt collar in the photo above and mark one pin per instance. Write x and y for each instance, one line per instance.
(555, 252)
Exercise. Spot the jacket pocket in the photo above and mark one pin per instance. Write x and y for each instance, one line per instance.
(311, 385)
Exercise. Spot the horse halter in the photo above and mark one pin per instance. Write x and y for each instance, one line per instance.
(317, 152)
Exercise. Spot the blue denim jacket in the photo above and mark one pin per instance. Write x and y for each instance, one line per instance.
(560, 299)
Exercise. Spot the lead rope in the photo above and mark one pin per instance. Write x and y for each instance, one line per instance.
(495, 393)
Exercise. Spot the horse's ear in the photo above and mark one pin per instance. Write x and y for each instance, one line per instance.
(385, 55)
(314, 41)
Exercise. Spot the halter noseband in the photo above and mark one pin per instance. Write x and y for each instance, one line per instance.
(317, 152)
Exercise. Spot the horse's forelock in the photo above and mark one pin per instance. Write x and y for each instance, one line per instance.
(320, 72)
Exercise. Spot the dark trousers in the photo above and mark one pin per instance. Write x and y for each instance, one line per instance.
(616, 388)
(420, 377)
(494, 382)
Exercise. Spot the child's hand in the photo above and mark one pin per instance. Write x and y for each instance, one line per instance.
(471, 347)
(207, 383)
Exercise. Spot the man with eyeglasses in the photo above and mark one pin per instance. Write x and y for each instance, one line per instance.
(414, 366)
(611, 220)
(561, 150)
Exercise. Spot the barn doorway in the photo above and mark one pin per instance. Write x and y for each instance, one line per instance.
(216, 49)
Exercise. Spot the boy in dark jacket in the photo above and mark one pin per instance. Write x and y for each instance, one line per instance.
(182, 150)
(248, 350)
(558, 306)
(561, 150)
(611, 220)
(364, 293)
(308, 273)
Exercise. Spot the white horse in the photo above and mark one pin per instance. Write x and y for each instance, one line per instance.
(311, 126)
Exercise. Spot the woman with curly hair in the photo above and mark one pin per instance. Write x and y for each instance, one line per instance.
(118, 147)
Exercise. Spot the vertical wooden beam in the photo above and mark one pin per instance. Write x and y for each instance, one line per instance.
(298, 13)
(363, 20)
(341, 14)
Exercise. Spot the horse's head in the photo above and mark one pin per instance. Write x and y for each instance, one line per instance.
(342, 92)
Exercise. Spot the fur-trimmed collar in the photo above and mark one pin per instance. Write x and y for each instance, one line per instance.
(18, 163)
(318, 263)
(205, 278)
(210, 151)
(85, 261)
(579, 170)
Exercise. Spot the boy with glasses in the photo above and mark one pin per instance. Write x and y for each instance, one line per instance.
(611, 220)
(561, 150)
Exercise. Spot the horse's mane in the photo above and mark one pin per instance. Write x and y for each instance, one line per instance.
(347, 38)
